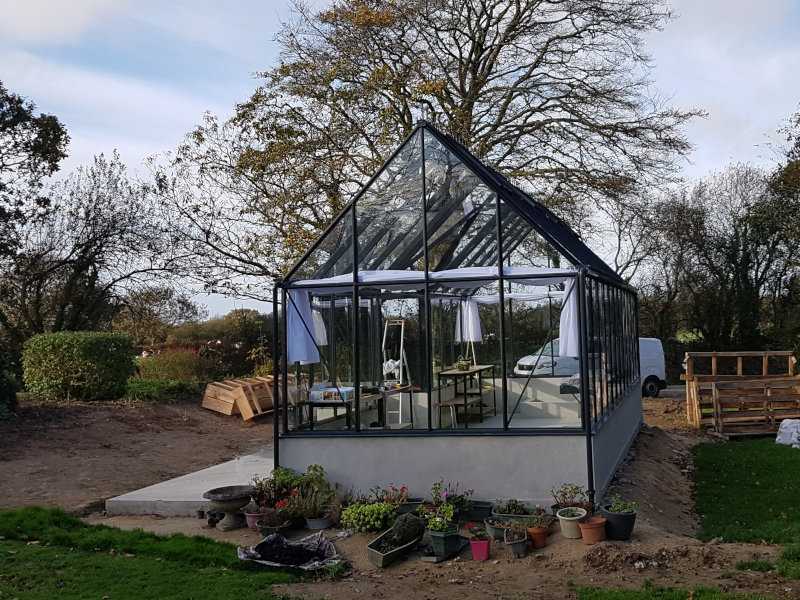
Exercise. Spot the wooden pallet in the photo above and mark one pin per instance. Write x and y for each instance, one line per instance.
(250, 397)
(755, 407)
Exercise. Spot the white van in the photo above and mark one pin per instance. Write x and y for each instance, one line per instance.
(547, 363)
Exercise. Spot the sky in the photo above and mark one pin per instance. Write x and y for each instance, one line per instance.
(137, 75)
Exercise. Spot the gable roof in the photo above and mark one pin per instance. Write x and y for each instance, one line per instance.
(385, 227)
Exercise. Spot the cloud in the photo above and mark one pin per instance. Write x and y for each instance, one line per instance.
(105, 111)
(53, 22)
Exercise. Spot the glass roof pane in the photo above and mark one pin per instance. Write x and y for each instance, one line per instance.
(334, 254)
(462, 230)
(522, 245)
(389, 214)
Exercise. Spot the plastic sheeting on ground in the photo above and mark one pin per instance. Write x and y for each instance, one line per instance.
(789, 433)
(310, 553)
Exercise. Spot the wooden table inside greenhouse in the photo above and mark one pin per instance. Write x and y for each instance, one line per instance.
(470, 396)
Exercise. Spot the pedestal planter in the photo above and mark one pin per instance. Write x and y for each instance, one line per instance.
(538, 535)
(480, 549)
(518, 547)
(568, 519)
(229, 499)
(619, 526)
(445, 543)
(593, 530)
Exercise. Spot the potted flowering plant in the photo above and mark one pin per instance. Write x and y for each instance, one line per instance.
(442, 493)
(479, 541)
(443, 532)
(538, 526)
(273, 520)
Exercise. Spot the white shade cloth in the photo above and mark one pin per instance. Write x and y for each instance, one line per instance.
(468, 323)
(414, 280)
(300, 346)
(568, 325)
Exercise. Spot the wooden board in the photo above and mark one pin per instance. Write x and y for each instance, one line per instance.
(251, 397)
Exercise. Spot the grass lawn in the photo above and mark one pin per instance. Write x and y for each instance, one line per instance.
(748, 491)
(47, 554)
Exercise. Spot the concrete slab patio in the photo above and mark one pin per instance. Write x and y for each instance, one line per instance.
(183, 495)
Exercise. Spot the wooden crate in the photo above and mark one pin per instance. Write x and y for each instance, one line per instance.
(250, 397)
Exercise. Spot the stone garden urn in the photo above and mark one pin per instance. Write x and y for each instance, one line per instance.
(229, 499)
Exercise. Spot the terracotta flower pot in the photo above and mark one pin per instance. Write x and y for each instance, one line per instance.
(538, 535)
(593, 530)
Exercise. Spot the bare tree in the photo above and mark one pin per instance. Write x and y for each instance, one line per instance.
(554, 93)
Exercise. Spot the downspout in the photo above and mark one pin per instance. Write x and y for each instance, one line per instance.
(583, 346)
(277, 408)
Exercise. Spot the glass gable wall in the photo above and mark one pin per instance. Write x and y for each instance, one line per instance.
(431, 331)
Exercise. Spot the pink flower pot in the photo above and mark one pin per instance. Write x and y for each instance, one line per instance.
(252, 519)
(480, 549)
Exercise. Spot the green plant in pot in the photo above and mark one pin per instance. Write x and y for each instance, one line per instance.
(516, 538)
(511, 509)
(538, 526)
(570, 494)
(568, 518)
(443, 532)
(479, 541)
(620, 518)
(461, 364)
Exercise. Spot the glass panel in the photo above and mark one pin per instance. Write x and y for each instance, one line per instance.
(462, 228)
(522, 245)
(540, 392)
(389, 214)
(466, 327)
(333, 255)
(324, 393)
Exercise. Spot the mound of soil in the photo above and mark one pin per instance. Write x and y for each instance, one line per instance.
(76, 455)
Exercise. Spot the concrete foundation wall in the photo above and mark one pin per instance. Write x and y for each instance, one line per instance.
(611, 443)
(522, 467)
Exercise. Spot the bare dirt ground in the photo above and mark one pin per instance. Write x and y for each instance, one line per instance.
(77, 455)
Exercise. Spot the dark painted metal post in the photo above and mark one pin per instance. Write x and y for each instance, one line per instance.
(355, 330)
(583, 347)
(278, 408)
(502, 306)
(427, 297)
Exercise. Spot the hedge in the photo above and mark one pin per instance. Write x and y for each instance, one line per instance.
(86, 365)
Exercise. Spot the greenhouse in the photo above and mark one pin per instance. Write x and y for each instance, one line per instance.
(446, 324)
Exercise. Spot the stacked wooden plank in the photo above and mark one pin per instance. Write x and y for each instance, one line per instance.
(754, 407)
(250, 397)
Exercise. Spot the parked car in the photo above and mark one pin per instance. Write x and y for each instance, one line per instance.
(546, 362)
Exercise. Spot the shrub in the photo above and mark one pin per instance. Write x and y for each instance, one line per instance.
(369, 517)
(181, 364)
(87, 365)
(159, 392)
